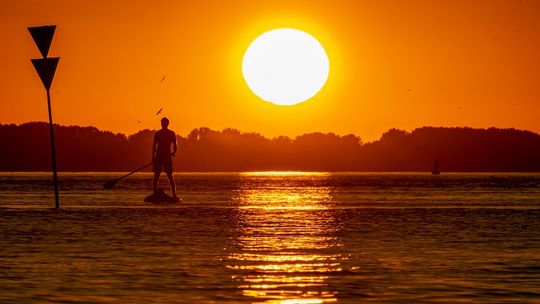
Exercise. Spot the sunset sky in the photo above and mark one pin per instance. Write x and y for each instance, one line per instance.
(393, 64)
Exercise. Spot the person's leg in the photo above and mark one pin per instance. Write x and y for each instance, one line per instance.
(155, 181)
(157, 164)
(168, 168)
(173, 184)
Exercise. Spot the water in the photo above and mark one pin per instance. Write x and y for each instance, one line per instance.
(273, 238)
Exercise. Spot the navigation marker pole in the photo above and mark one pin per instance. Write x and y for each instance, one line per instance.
(45, 68)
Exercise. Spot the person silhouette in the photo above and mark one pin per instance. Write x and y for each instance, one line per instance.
(162, 155)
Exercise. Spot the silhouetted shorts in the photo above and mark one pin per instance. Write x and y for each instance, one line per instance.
(163, 164)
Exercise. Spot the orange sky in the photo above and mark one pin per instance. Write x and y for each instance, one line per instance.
(402, 64)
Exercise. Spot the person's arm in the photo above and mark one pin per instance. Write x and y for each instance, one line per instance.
(154, 144)
(175, 146)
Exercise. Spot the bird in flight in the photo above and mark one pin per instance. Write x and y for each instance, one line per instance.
(162, 78)
(159, 111)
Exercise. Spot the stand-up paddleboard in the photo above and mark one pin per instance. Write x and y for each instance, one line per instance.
(161, 197)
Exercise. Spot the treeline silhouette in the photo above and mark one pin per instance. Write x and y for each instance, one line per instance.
(26, 148)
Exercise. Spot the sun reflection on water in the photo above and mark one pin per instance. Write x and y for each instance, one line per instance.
(283, 173)
(286, 246)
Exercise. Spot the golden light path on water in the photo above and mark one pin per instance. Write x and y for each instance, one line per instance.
(285, 251)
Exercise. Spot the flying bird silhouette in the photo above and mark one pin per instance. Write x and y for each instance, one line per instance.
(159, 111)
(163, 78)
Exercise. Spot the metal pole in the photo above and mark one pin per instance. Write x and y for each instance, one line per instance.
(53, 152)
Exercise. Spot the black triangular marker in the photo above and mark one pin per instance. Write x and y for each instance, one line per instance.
(45, 68)
(43, 36)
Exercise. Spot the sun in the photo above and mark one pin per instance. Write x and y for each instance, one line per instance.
(285, 66)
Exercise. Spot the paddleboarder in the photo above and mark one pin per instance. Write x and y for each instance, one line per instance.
(162, 155)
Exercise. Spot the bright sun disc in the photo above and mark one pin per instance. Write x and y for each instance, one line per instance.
(285, 66)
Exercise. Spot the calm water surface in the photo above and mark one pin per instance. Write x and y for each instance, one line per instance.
(272, 238)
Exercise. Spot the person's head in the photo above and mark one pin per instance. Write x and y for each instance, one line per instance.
(164, 123)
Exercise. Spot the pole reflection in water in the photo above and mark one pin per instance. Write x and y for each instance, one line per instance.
(286, 246)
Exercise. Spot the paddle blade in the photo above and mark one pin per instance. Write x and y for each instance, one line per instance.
(110, 184)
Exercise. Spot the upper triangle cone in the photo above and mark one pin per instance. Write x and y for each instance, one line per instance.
(43, 36)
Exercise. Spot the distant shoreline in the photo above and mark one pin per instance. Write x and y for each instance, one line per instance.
(88, 149)
(255, 173)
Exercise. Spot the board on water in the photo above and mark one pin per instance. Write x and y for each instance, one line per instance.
(161, 197)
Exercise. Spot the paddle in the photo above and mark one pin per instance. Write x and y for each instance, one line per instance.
(110, 184)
